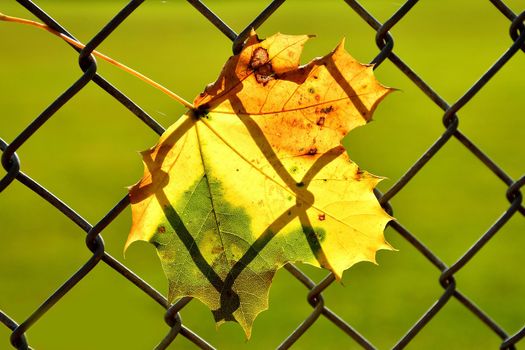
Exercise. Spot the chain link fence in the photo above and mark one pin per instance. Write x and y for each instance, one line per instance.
(385, 42)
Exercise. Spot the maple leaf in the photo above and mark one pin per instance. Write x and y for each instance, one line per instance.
(255, 176)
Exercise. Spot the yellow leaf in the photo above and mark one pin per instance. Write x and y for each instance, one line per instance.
(255, 177)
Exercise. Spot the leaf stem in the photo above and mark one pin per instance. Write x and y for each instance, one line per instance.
(100, 55)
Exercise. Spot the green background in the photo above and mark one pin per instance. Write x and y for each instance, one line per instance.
(87, 154)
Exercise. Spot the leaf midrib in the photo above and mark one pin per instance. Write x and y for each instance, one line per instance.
(217, 223)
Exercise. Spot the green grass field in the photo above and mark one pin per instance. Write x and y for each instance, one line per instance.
(87, 154)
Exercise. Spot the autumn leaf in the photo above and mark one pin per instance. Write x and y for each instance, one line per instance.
(255, 176)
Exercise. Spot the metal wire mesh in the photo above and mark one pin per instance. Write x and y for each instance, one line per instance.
(385, 42)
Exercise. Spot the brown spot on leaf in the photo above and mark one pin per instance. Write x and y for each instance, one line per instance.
(265, 70)
(320, 121)
(327, 110)
(321, 217)
(217, 250)
(311, 90)
(260, 63)
(264, 74)
(312, 151)
(161, 229)
(359, 173)
(259, 58)
(317, 98)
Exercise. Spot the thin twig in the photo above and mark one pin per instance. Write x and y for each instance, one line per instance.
(100, 55)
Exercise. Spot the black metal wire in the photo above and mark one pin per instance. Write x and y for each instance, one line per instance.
(385, 42)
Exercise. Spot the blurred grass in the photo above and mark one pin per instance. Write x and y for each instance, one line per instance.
(86, 155)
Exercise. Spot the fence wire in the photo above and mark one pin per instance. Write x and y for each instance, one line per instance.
(385, 43)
